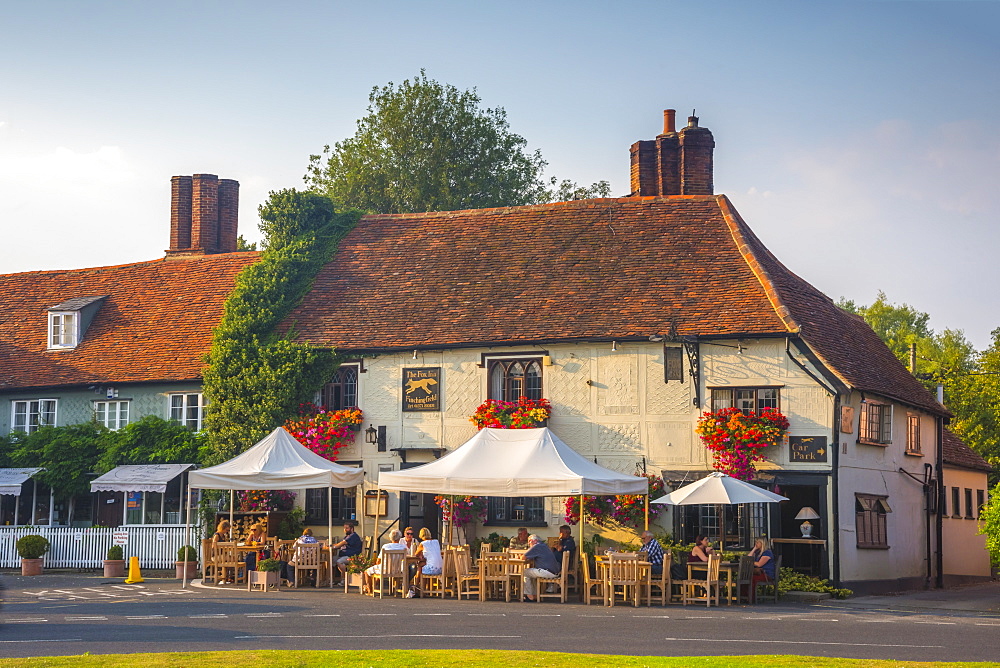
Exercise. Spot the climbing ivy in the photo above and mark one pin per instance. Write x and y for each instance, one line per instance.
(256, 377)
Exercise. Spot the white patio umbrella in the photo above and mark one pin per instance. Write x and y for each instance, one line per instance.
(719, 489)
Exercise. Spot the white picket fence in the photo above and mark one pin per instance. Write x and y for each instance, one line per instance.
(155, 545)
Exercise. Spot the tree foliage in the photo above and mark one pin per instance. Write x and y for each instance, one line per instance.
(256, 378)
(989, 524)
(428, 146)
(150, 440)
(288, 214)
(971, 379)
(68, 455)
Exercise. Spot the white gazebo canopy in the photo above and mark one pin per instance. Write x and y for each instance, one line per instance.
(138, 478)
(12, 479)
(513, 462)
(277, 461)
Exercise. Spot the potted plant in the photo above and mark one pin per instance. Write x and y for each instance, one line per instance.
(187, 563)
(31, 548)
(268, 574)
(114, 564)
(356, 566)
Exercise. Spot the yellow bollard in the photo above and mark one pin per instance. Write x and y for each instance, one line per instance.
(134, 575)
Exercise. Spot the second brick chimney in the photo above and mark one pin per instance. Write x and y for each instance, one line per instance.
(204, 213)
(675, 163)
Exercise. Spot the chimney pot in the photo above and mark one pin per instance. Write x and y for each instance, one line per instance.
(668, 121)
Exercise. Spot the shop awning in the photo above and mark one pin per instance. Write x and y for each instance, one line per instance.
(12, 479)
(138, 478)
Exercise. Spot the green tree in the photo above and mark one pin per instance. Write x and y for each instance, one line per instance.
(68, 454)
(568, 190)
(989, 524)
(150, 440)
(428, 146)
(288, 214)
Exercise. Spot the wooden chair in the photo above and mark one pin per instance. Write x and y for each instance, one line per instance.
(561, 581)
(466, 578)
(663, 581)
(307, 558)
(711, 584)
(588, 584)
(744, 581)
(438, 585)
(391, 571)
(624, 572)
(227, 557)
(208, 569)
(494, 576)
(773, 584)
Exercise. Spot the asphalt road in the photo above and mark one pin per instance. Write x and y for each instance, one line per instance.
(109, 617)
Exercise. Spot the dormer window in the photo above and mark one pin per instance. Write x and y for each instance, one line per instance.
(63, 329)
(68, 321)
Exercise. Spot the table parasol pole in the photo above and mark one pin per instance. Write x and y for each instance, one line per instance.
(580, 549)
(329, 529)
(647, 511)
(232, 527)
(451, 520)
(187, 536)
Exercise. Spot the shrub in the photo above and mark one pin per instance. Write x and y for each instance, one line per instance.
(115, 553)
(32, 546)
(269, 565)
(794, 581)
(187, 553)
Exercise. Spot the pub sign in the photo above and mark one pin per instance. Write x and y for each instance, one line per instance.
(422, 389)
(807, 448)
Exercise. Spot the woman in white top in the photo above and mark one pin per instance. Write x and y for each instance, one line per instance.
(409, 541)
(430, 550)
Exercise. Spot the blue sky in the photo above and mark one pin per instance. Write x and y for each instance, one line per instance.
(859, 140)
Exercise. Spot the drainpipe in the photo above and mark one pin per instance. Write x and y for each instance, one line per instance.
(939, 456)
(834, 528)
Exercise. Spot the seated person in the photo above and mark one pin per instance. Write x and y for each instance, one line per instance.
(287, 567)
(350, 546)
(410, 541)
(763, 565)
(257, 537)
(654, 552)
(702, 548)
(222, 535)
(431, 560)
(394, 545)
(520, 541)
(543, 564)
(566, 544)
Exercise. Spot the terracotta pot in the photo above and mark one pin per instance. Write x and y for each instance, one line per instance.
(31, 566)
(114, 568)
(190, 566)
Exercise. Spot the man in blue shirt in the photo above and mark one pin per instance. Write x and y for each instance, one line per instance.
(543, 565)
(350, 546)
(654, 552)
(566, 544)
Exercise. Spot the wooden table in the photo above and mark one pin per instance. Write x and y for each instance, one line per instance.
(643, 576)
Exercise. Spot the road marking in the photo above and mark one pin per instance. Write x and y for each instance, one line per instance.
(265, 614)
(486, 614)
(598, 616)
(370, 637)
(651, 617)
(978, 624)
(216, 616)
(47, 640)
(25, 621)
(540, 614)
(147, 617)
(938, 623)
(432, 614)
(377, 614)
(321, 615)
(803, 642)
(876, 621)
(98, 618)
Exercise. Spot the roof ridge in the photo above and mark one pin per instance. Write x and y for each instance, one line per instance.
(575, 203)
(214, 256)
(736, 227)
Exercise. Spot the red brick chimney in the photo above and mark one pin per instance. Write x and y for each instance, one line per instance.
(675, 163)
(203, 215)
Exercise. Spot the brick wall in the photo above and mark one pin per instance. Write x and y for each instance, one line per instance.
(203, 215)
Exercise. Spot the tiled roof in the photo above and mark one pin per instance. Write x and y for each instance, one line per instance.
(957, 453)
(155, 324)
(593, 269)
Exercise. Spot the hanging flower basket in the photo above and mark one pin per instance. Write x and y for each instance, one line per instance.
(736, 439)
(622, 510)
(521, 414)
(325, 432)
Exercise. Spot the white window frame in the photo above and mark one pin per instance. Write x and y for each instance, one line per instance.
(61, 336)
(179, 412)
(103, 414)
(31, 414)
